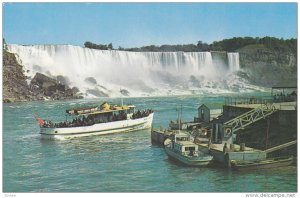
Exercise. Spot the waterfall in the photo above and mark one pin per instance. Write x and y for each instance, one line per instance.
(112, 69)
(233, 61)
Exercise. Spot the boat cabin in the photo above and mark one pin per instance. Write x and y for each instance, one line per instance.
(182, 144)
(185, 148)
(181, 136)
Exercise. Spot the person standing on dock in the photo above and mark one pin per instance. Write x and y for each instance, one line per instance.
(226, 155)
(225, 149)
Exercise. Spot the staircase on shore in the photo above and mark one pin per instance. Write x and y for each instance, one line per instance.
(250, 117)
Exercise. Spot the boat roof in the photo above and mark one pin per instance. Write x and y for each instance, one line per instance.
(186, 143)
(104, 108)
(181, 133)
(123, 108)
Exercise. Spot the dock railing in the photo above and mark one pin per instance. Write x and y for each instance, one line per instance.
(233, 101)
(288, 106)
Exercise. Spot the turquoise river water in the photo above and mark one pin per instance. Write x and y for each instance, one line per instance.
(125, 162)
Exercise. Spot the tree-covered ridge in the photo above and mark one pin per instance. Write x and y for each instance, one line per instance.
(272, 43)
(98, 46)
(230, 45)
(266, 61)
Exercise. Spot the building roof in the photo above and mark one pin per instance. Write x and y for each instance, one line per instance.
(203, 106)
(208, 106)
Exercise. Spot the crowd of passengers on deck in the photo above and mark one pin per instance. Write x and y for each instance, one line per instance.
(141, 114)
(91, 120)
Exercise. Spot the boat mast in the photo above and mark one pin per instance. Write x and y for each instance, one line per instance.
(179, 116)
(121, 97)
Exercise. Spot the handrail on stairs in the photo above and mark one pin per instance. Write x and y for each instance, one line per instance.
(250, 117)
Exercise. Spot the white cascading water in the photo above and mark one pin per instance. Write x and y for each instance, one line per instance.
(233, 61)
(141, 73)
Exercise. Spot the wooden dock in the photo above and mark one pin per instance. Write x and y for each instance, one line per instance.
(158, 136)
(238, 115)
(284, 106)
(234, 153)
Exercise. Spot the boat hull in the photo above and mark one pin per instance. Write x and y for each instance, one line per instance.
(97, 129)
(190, 161)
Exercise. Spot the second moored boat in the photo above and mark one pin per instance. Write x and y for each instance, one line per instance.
(180, 148)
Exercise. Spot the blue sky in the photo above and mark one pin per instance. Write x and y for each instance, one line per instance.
(138, 24)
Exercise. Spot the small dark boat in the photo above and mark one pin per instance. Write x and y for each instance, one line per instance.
(180, 148)
(263, 164)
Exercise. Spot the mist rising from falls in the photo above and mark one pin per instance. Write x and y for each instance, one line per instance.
(141, 73)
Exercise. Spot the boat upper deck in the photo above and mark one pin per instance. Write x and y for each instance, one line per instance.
(186, 143)
(104, 108)
(103, 111)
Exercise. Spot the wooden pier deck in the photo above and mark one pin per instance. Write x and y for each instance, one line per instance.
(285, 106)
(219, 147)
(234, 154)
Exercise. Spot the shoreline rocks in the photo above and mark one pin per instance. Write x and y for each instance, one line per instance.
(41, 87)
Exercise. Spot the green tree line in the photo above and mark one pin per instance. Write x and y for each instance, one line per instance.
(230, 45)
(91, 45)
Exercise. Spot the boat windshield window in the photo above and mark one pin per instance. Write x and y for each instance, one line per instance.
(181, 139)
(189, 148)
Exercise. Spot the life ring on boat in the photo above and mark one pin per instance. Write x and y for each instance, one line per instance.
(233, 162)
(228, 131)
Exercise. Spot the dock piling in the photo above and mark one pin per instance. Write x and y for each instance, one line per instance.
(232, 147)
(242, 147)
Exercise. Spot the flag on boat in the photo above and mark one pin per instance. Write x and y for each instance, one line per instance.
(39, 120)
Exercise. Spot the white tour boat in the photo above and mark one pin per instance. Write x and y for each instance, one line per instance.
(105, 119)
(183, 150)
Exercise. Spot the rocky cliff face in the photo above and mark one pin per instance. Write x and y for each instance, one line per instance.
(16, 86)
(44, 87)
(269, 67)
